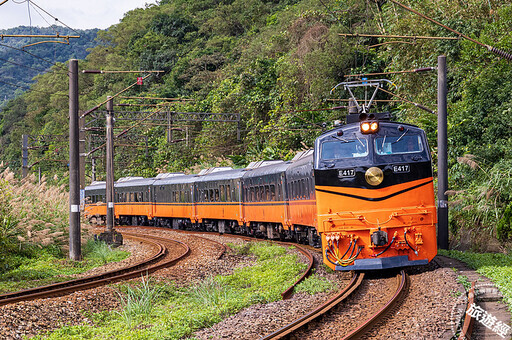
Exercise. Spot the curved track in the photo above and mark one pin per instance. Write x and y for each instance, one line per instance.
(400, 292)
(129, 272)
(324, 308)
(289, 291)
(363, 328)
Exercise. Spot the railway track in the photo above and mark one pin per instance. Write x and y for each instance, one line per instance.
(363, 328)
(289, 291)
(401, 290)
(324, 308)
(153, 263)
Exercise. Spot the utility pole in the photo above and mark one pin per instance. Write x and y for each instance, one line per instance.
(110, 236)
(81, 150)
(74, 180)
(110, 166)
(442, 155)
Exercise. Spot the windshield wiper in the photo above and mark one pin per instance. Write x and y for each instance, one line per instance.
(403, 134)
(342, 140)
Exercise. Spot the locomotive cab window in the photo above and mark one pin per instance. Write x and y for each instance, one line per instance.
(344, 148)
(392, 145)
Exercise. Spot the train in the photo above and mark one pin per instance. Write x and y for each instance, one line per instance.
(364, 194)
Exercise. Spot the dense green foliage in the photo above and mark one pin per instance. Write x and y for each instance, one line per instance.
(275, 62)
(164, 311)
(35, 267)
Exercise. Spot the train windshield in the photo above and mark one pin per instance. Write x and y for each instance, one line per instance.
(344, 148)
(406, 143)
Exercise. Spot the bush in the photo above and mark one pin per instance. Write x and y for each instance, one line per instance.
(504, 228)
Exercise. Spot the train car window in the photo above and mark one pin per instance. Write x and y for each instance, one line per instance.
(222, 193)
(228, 193)
(253, 198)
(217, 196)
(398, 144)
(302, 188)
(267, 193)
(344, 148)
(257, 194)
(210, 192)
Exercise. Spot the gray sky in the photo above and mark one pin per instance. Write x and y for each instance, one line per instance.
(78, 14)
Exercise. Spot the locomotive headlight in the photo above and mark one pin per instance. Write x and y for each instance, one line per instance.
(374, 176)
(365, 127)
(374, 127)
(369, 127)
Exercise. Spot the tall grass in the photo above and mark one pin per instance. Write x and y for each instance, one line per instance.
(33, 212)
(209, 292)
(137, 302)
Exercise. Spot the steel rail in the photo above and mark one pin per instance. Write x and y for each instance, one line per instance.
(467, 326)
(368, 324)
(133, 271)
(355, 282)
(222, 246)
(289, 291)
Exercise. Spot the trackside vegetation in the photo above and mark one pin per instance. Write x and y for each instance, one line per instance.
(153, 310)
(34, 234)
(36, 267)
(497, 267)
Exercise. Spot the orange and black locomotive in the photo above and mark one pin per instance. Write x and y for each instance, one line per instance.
(375, 195)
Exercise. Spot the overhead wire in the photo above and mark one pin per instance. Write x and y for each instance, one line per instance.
(56, 19)
(35, 56)
(490, 48)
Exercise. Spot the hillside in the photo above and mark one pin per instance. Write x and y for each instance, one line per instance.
(17, 69)
(275, 62)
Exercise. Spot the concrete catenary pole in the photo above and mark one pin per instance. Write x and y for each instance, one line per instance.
(74, 180)
(442, 155)
(110, 165)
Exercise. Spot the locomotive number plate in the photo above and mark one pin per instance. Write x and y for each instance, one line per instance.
(346, 173)
(400, 169)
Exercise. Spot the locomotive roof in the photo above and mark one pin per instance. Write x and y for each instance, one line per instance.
(356, 124)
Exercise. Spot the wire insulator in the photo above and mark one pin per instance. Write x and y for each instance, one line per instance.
(424, 69)
(499, 52)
